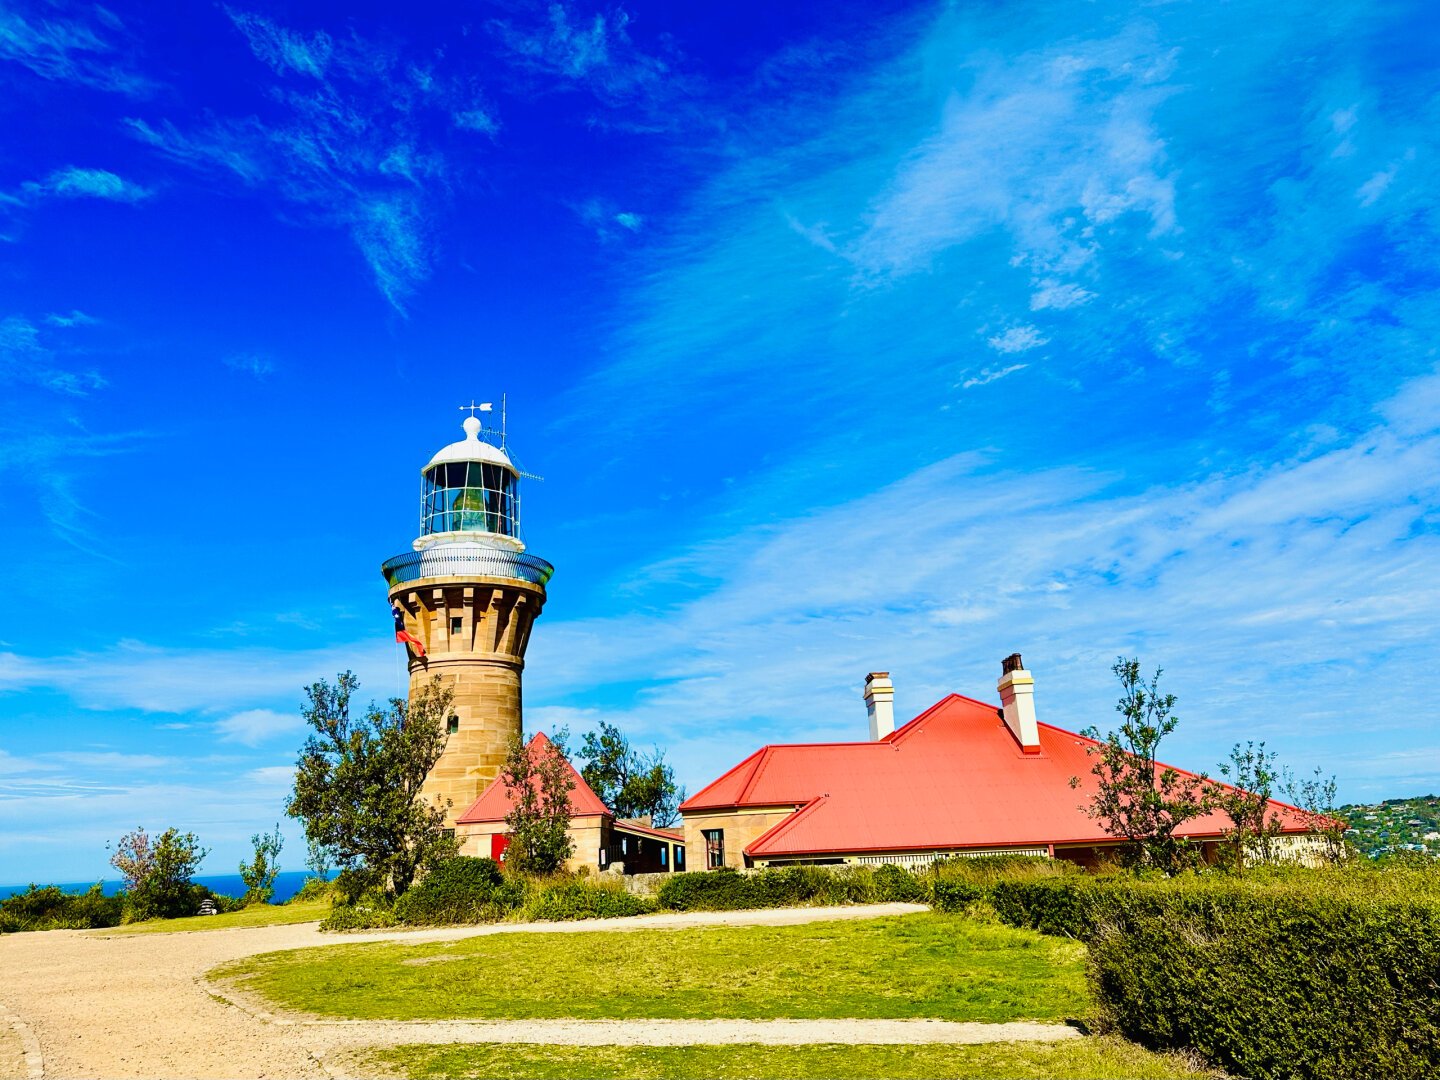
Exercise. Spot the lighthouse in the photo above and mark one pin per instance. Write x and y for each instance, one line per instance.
(465, 598)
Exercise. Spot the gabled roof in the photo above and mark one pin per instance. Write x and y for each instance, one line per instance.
(954, 777)
(496, 801)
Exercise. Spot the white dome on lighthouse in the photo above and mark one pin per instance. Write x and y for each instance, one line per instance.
(471, 448)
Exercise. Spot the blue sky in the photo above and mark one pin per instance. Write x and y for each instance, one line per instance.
(847, 337)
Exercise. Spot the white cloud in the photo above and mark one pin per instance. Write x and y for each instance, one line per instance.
(282, 49)
(134, 675)
(1018, 339)
(989, 375)
(255, 726)
(77, 183)
(1059, 296)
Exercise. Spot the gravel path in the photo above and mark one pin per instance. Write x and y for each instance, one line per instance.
(92, 1004)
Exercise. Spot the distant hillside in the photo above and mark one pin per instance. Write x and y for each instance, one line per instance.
(1395, 825)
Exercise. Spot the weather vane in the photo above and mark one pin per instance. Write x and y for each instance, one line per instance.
(484, 406)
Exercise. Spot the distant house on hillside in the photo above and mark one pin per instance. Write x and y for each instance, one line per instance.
(601, 839)
(965, 777)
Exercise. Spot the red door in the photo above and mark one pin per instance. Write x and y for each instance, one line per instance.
(499, 844)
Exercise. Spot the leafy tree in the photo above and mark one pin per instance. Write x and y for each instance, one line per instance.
(1252, 773)
(632, 784)
(260, 872)
(1314, 797)
(157, 873)
(1136, 798)
(357, 784)
(539, 779)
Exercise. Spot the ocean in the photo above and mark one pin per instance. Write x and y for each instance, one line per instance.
(287, 885)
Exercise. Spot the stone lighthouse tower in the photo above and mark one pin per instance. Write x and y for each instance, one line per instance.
(469, 594)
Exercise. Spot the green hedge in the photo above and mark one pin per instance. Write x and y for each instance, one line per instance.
(1307, 975)
(789, 886)
(51, 908)
(582, 900)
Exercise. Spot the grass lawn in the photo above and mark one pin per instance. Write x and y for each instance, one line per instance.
(255, 915)
(924, 965)
(1080, 1059)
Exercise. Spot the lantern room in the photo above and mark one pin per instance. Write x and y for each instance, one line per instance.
(470, 487)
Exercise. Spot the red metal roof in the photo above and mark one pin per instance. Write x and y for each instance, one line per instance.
(496, 801)
(954, 777)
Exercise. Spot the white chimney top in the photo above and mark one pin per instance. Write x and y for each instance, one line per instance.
(880, 704)
(1017, 701)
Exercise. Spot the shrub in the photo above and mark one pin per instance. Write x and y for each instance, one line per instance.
(1317, 975)
(361, 916)
(787, 886)
(51, 908)
(895, 884)
(459, 890)
(581, 899)
(314, 888)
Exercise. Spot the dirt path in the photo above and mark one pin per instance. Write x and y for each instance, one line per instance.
(96, 1005)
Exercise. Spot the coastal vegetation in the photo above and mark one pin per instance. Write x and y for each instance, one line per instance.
(357, 786)
(922, 965)
(1300, 973)
(1075, 1059)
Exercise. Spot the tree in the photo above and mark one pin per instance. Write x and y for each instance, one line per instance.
(539, 779)
(157, 873)
(1136, 799)
(631, 784)
(1314, 797)
(357, 784)
(260, 872)
(1252, 773)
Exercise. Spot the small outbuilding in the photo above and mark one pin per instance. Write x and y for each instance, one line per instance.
(601, 840)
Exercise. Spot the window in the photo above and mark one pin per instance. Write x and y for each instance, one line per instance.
(457, 624)
(663, 861)
(470, 497)
(679, 859)
(714, 848)
(452, 725)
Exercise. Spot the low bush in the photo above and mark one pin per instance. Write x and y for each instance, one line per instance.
(362, 915)
(583, 899)
(51, 908)
(314, 888)
(1310, 974)
(788, 886)
(458, 890)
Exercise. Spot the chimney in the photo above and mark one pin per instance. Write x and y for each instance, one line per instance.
(1017, 700)
(880, 704)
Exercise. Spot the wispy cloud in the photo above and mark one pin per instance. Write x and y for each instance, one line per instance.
(255, 726)
(1017, 339)
(591, 51)
(25, 358)
(257, 365)
(233, 682)
(349, 143)
(74, 318)
(283, 49)
(989, 375)
(74, 49)
(78, 183)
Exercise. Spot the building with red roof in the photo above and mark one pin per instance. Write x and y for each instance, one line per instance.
(965, 777)
(600, 839)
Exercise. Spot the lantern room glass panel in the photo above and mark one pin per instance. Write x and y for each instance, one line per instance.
(469, 496)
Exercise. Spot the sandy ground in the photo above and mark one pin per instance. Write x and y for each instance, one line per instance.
(91, 1004)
